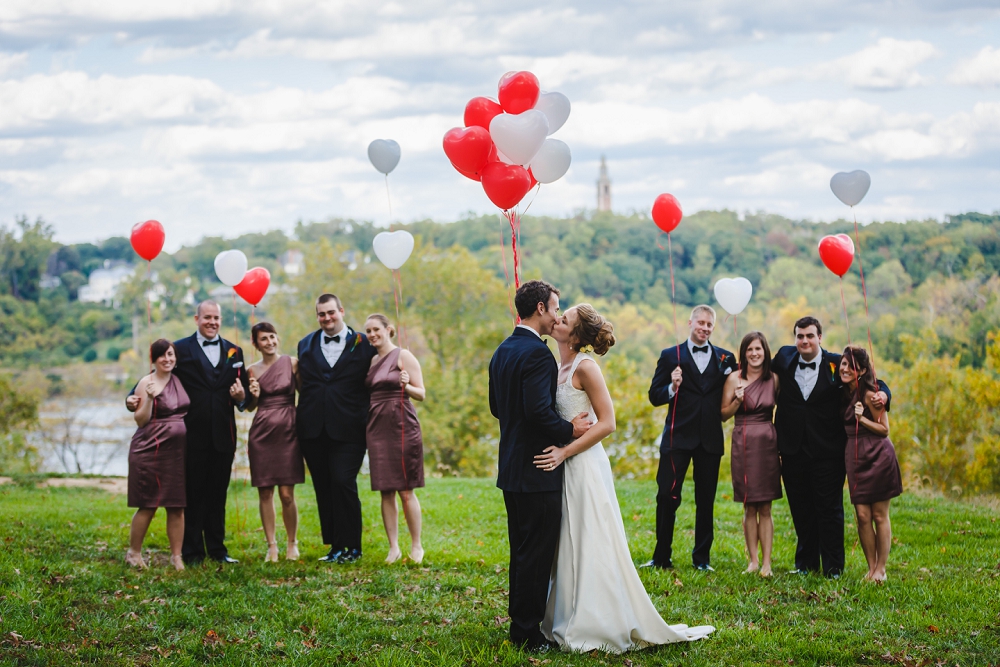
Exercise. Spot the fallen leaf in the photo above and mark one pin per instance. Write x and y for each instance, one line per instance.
(932, 628)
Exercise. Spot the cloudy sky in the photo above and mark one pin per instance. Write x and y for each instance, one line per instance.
(225, 116)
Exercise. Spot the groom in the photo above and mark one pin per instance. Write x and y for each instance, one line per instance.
(523, 376)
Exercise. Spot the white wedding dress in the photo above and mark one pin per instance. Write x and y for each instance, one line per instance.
(596, 599)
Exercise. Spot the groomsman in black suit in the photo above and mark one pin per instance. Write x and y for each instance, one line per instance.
(212, 373)
(332, 414)
(811, 442)
(523, 376)
(692, 386)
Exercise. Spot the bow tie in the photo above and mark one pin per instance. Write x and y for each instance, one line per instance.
(811, 365)
(206, 343)
(703, 348)
(334, 338)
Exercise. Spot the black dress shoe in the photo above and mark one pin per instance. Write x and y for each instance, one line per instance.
(659, 566)
(349, 556)
(333, 556)
(225, 559)
(704, 567)
(543, 646)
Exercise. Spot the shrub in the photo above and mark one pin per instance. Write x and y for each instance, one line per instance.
(90, 355)
(114, 353)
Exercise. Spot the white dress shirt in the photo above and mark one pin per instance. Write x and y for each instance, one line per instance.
(525, 326)
(806, 377)
(701, 359)
(213, 352)
(335, 348)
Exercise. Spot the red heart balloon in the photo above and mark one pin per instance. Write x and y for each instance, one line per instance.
(254, 285)
(518, 92)
(667, 212)
(480, 111)
(837, 253)
(147, 239)
(505, 184)
(534, 181)
(468, 148)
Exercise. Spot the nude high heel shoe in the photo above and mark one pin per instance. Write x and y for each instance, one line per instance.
(292, 552)
(134, 559)
(272, 553)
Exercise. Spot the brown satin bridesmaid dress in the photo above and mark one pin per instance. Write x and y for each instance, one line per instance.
(754, 460)
(395, 444)
(872, 469)
(272, 444)
(157, 452)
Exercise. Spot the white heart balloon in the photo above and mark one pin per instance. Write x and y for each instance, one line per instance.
(555, 106)
(519, 136)
(230, 267)
(551, 162)
(384, 154)
(393, 248)
(733, 294)
(851, 188)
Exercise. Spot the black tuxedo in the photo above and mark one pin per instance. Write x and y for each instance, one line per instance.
(211, 442)
(811, 441)
(523, 377)
(331, 417)
(692, 432)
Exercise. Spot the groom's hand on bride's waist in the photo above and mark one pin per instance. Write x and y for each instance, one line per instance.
(581, 424)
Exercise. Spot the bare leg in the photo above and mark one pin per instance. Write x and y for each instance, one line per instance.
(750, 534)
(266, 497)
(866, 535)
(765, 530)
(290, 516)
(411, 510)
(883, 538)
(390, 519)
(137, 533)
(175, 535)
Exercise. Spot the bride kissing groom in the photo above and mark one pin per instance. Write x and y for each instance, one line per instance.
(573, 584)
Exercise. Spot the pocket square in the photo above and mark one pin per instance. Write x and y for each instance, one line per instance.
(727, 371)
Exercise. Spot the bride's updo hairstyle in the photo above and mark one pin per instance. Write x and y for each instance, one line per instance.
(592, 329)
(384, 321)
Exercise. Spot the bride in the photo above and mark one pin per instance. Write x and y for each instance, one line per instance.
(596, 599)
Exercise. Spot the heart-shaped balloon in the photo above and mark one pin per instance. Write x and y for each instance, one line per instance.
(254, 285)
(384, 154)
(480, 111)
(551, 162)
(837, 253)
(468, 148)
(393, 248)
(667, 212)
(520, 136)
(852, 187)
(505, 184)
(733, 294)
(555, 106)
(518, 92)
(230, 267)
(147, 239)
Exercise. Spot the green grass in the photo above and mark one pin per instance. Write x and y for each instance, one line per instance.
(66, 597)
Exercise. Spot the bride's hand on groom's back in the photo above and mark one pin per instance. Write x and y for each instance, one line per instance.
(550, 458)
(581, 424)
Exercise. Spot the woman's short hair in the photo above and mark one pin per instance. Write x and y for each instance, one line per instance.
(259, 328)
(765, 371)
(384, 321)
(159, 348)
(592, 329)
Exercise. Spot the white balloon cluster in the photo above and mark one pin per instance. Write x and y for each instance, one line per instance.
(523, 138)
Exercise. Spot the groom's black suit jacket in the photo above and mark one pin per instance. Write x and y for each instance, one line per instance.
(334, 399)
(523, 378)
(813, 426)
(698, 402)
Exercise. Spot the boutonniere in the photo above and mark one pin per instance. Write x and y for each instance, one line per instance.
(833, 371)
(230, 354)
(357, 339)
(722, 360)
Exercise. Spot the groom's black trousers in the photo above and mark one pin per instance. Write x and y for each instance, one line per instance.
(815, 490)
(669, 480)
(533, 521)
(334, 467)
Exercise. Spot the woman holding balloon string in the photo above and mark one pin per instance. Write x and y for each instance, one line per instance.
(749, 395)
(272, 444)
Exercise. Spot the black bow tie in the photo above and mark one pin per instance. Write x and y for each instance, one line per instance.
(206, 343)
(703, 348)
(335, 338)
(811, 365)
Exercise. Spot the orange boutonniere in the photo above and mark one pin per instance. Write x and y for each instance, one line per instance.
(357, 339)
(231, 353)
(833, 371)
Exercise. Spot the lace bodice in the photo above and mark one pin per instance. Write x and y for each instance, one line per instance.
(571, 401)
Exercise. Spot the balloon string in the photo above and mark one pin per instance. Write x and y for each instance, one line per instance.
(864, 291)
(397, 297)
(538, 188)
(515, 229)
(746, 410)
(388, 198)
(673, 409)
(847, 322)
(149, 308)
(506, 274)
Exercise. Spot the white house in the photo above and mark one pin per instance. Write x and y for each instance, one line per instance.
(102, 285)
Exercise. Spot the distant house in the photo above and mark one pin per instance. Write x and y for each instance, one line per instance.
(292, 262)
(102, 285)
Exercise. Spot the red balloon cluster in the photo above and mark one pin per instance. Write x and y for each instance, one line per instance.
(837, 253)
(667, 212)
(254, 285)
(147, 239)
(471, 148)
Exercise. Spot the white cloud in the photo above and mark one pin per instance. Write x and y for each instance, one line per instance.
(889, 64)
(12, 62)
(981, 70)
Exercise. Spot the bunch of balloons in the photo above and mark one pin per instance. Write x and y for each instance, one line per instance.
(251, 285)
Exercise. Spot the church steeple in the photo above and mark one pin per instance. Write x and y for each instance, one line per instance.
(603, 188)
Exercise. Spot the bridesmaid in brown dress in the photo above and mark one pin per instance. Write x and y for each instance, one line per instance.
(395, 445)
(272, 444)
(873, 476)
(156, 454)
(749, 394)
